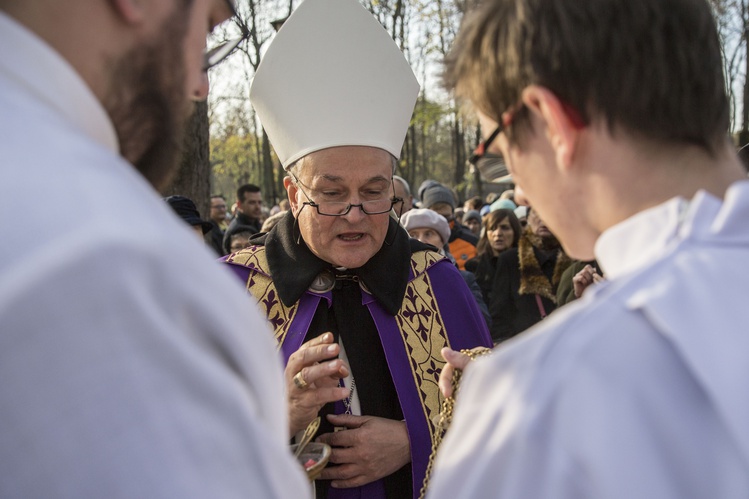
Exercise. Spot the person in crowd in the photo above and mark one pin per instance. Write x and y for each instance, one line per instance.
(458, 214)
(501, 232)
(186, 210)
(525, 281)
(351, 298)
(502, 204)
(472, 221)
(475, 203)
(130, 365)
(249, 210)
(264, 214)
(240, 239)
(422, 189)
(522, 213)
(576, 279)
(215, 237)
(636, 389)
(231, 234)
(462, 244)
(509, 195)
(429, 227)
(402, 191)
(271, 221)
(284, 205)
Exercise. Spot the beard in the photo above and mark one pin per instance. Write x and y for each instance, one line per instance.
(148, 105)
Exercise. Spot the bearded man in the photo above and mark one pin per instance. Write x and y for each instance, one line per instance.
(360, 311)
(122, 376)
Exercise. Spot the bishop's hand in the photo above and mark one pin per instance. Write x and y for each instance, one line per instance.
(366, 449)
(312, 377)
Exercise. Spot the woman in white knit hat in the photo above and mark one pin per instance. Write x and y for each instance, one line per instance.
(432, 228)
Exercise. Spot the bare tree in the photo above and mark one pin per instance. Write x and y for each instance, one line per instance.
(193, 177)
(732, 17)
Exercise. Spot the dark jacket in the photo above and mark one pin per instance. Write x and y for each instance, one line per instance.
(470, 280)
(243, 220)
(514, 306)
(483, 267)
(215, 239)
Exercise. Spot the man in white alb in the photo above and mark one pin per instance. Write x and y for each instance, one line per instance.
(613, 119)
(130, 363)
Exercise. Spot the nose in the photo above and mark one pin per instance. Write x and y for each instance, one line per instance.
(355, 214)
(200, 93)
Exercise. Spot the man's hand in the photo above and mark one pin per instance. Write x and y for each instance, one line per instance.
(455, 360)
(368, 449)
(585, 278)
(312, 363)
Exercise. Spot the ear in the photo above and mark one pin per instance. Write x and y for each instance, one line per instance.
(291, 191)
(130, 11)
(561, 130)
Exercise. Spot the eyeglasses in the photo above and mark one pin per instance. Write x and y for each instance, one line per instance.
(223, 50)
(339, 208)
(505, 121)
(480, 151)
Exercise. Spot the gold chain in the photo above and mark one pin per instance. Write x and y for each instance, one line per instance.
(445, 416)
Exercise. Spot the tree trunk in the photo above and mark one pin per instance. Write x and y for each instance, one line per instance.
(460, 156)
(194, 175)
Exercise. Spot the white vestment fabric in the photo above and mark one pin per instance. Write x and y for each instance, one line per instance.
(131, 364)
(638, 390)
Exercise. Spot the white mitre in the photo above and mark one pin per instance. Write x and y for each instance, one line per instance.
(333, 77)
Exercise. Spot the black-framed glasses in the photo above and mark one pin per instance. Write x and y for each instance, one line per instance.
(504, 122)
(480, 151)
(340, 208)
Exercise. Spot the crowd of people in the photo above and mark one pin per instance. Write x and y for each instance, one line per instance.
(147, 356)
(533, 278)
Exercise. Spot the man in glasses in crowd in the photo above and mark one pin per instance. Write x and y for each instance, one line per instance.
(613, 119)
(121, 376)
(360, 311)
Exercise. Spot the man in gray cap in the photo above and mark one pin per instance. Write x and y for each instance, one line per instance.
(130, 365)
(462, 243)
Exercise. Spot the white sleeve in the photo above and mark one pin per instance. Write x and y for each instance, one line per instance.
(126, 374)
(491, 451)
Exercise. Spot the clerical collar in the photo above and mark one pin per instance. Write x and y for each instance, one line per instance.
(295, 269)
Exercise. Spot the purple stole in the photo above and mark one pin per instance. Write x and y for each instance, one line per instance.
(438, 310)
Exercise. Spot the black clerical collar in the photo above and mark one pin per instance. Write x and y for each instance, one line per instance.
(294, 267)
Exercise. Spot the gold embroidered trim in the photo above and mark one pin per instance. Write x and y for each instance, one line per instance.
(261, 286)
(423, 332)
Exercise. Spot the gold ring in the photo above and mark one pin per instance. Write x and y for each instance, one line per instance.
(299, 381)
